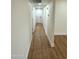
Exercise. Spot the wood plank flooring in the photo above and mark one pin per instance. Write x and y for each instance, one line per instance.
(40, 48)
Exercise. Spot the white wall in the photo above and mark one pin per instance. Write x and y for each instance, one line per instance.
(34, 19)
(60, 17)
(21, 29)
(49, 22)
(45, 19)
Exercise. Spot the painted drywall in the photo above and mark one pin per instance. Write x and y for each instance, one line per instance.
(45, 19)
(60, 27)
(21, 29)
(49, 22)
(33, 19)
(60, 17)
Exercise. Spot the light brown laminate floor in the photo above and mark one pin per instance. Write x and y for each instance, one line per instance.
(40, 47)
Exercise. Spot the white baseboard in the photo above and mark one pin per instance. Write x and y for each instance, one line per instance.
(60, 33)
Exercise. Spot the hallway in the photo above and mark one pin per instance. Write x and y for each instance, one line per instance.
(32, 40)
(40, 47)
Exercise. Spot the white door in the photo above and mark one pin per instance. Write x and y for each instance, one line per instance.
(39, 15)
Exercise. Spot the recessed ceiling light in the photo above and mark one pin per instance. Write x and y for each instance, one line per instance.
(39, 3)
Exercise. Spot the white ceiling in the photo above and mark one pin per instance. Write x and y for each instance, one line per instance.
(40, 5)
(43, 1)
